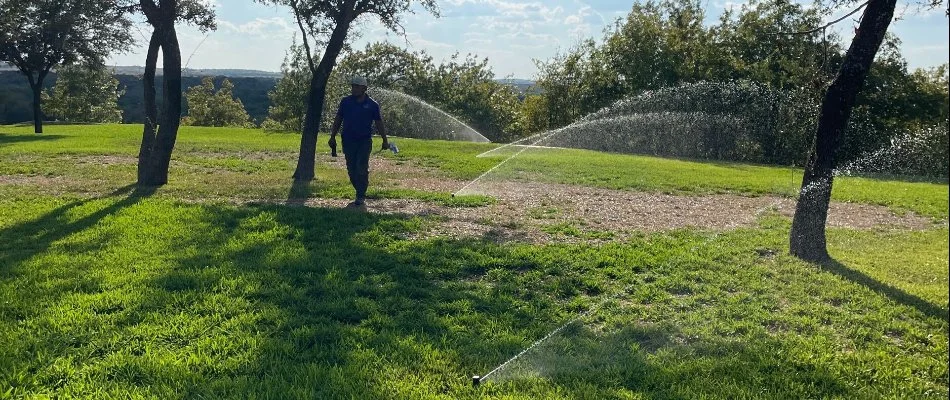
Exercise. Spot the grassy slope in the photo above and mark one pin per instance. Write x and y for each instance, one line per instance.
(142, 295)
(643, 173)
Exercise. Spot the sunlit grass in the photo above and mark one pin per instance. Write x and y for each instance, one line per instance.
(109, 292)
(249, 163)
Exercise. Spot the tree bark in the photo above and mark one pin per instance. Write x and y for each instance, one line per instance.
(37, 111)
(151, 109)
(36, 85)
(807, 237)
(306, 162)
(171, 108)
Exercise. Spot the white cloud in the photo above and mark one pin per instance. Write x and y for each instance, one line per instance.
(573, 20)
(511, 33)
(502, 26)
(551, 14)
(416, 40)
(512, 9)
(477, 42)
(580, 16)
(265, 28)
(530, 36)
(580, 31)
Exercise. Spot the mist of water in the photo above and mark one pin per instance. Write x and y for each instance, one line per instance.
(411, 117)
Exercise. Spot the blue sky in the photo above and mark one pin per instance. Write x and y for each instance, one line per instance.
(510, 33)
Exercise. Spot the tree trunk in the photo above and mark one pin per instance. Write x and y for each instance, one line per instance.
(37, 86)
(807, 238)
(37, 111)
(171, 106)
(151, 110)
(306, 162)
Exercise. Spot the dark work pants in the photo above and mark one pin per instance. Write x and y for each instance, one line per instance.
(357, 164)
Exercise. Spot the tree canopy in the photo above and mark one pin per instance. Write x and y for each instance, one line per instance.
(85, 93)
(37, 36)
(207, 107)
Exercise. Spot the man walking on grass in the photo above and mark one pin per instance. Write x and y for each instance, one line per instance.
(357, 113)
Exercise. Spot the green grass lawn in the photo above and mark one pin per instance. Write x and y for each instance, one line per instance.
(109, 292)
(246, 163)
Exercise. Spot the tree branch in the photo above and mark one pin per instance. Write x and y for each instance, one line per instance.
(304, 33)
(18, 60)
(825, 25)
(150, 10)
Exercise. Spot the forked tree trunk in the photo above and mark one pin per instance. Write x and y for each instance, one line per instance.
(151, 109)
(161, 153)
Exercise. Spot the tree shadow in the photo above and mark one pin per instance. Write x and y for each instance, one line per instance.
(299, 193)
(893, 293)
(341, 293)
(352, 307)
(29, 238)
(300, 302)
(659, 361)
(7, 139)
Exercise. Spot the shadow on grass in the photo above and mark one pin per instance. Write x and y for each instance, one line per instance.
(659, 361)
(340, 313)
(895, 294)
(300, 192)
(27, 239)
(334, 305)
(7, 139)
(271, 301)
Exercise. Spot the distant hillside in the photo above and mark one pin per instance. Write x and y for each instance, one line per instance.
(251, 91)
(16, 98)
(523, 85)
(230, 73)
(515, 81)
(250, 87)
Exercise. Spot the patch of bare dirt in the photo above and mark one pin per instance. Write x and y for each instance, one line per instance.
(533, 212)
(105, 160)
(245, 155)
(38, 180)
(542, 212)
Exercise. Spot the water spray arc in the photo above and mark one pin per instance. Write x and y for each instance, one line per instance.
(700, 120)
(540, 138)
(414, 118)
(750, 111)
(460, 191)
(477, 380)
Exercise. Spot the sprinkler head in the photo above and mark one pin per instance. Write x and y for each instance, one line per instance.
(476, 380)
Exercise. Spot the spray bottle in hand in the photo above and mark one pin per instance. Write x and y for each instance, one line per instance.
(391, 146)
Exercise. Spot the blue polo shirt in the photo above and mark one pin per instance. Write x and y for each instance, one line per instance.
(358, 117)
